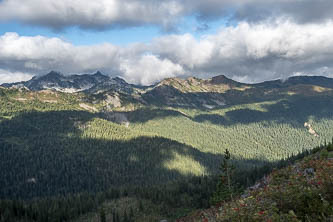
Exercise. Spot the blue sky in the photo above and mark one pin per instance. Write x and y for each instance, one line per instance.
(78, 36)
(119, 36)
(144, 41)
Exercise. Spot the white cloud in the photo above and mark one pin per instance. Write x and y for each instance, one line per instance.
(104, 14)
(184, 49)
(260, 51)
(40, 55)
(9, 77)
(149, 69)
(250, 52)
(300, 11)
(97, 14)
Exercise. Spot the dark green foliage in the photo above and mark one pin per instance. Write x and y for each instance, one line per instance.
(117, 217)
(62, 161)
(193, 193)
(114, 219)
(102, 215)
(125, 217)
(226, 186)
(141, 206)
(330, 147)
(48, 209)
(131, 214)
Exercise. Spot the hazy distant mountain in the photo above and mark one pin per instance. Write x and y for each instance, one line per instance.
(296, 80)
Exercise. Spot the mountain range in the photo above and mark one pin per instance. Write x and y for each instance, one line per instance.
(72, 83)
(191, 92)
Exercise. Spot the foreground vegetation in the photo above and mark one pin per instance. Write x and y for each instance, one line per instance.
(302, 191)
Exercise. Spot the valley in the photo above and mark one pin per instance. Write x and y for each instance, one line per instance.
(108, 134)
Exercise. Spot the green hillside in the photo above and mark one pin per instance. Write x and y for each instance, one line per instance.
(60, 145)
(301, 191)
(60, 140)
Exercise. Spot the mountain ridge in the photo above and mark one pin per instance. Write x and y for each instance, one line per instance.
(176, 92)
(98, 77)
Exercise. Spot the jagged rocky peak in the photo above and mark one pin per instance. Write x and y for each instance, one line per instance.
(193, 80)
(66, 83)
(52, 74)
(118, 79)
(99, 74)
(174, 82)
(168, 81)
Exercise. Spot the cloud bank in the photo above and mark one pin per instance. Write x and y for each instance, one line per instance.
(7, 76)
(250, 52)
(106, 14)
(97, 14)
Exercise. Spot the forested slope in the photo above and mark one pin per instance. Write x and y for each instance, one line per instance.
(47, 138)
(55, 144)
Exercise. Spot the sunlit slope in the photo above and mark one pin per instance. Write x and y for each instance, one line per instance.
(55, 143)
(268, 130)
(58, 152)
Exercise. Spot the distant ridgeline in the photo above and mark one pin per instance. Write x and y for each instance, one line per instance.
(83, 134)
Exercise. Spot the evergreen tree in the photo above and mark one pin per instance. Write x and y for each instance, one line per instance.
(225, 185)
(114, 219)
(102, 215)
(140, 206)
(131, 214)
(117, 217)
(125, 218)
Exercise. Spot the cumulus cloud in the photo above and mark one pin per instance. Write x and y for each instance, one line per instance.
(149, 69)
(259, 51)
(39, 55)
(301, 11)
(104, 14)
(248, 52)
(9, 77)
(97, 14)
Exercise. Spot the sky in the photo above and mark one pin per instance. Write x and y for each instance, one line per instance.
(145, 41)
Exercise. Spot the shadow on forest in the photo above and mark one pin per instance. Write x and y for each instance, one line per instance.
(170, 96)
(294, 110)
(145, 114)
(44, 154)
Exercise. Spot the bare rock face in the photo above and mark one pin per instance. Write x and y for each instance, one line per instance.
(87, 107)
(113, 100)
(310, 129)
